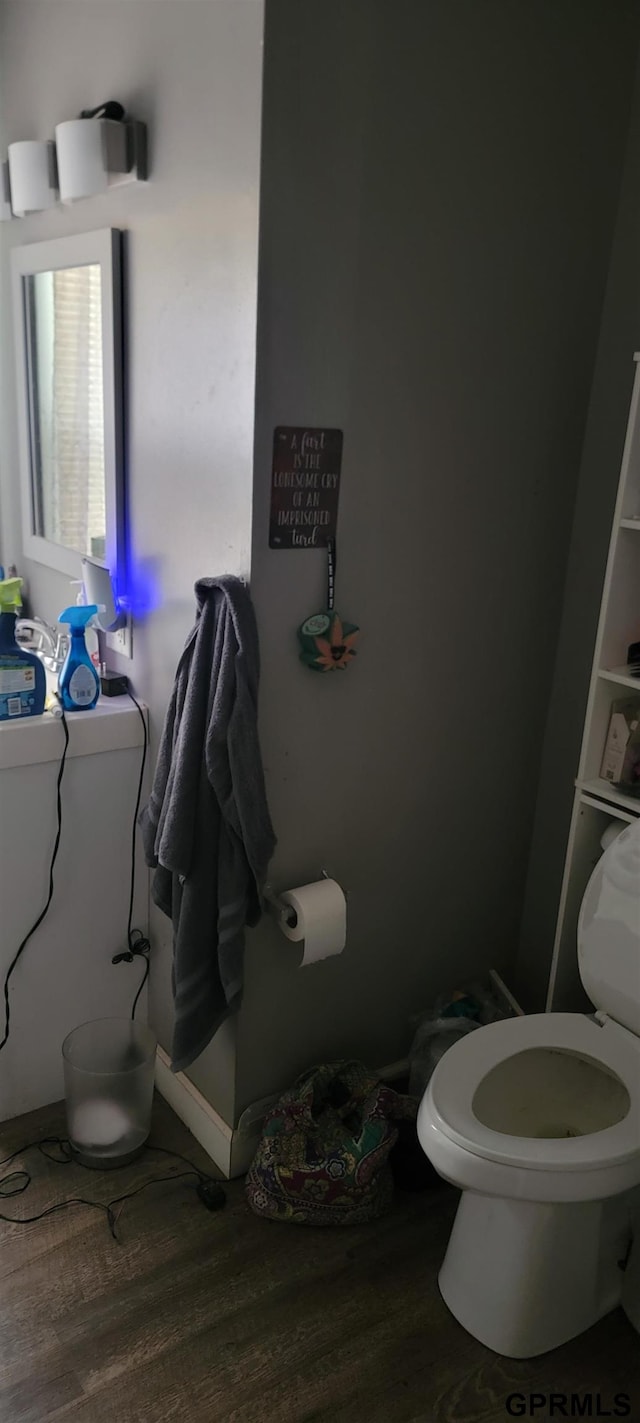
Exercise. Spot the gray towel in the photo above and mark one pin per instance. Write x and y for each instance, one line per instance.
(207, 830)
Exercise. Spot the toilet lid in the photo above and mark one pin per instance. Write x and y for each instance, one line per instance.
(609, 931)
(455, 1082)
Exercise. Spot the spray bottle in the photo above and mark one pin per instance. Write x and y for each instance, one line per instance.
(91, 631)
(23, 680)
(79, 683)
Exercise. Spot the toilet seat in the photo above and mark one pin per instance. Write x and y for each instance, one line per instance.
(459, 1073)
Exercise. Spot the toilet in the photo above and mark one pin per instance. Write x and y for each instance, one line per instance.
(537, 1120)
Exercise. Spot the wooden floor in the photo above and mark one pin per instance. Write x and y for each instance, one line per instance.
(223, 1318)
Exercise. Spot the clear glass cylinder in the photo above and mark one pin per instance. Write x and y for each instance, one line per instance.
(108, 1076)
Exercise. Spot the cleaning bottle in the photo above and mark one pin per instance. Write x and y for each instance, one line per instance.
(79, 683)
(26, 611)
(23, 680)
(91, 631)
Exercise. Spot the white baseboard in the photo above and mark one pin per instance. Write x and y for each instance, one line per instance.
(210, 1129)
(505, 993)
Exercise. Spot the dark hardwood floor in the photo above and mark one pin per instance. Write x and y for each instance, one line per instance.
(222, 1318)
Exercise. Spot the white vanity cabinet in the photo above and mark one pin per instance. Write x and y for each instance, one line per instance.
(65, 976)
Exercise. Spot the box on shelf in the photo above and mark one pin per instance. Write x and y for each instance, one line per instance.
(621, 760)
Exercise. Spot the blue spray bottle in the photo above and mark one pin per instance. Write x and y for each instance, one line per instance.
(79, 684)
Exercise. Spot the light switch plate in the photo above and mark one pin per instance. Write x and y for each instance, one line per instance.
(121, 640)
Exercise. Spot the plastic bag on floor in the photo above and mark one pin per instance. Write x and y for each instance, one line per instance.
(451, 1018)
(432, 1040)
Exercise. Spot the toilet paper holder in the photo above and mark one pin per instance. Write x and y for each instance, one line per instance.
(277, 906)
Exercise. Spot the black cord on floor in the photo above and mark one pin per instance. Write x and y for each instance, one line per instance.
(15, 1183)
(41, 916)
(138, 945)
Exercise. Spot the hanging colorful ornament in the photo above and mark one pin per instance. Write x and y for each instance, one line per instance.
(327, 641)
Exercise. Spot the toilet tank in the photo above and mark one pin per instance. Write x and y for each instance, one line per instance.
(65, 975)
(609, 931)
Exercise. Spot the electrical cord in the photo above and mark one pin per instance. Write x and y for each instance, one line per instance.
(138, 946)
(15, 1183)
(43, 913)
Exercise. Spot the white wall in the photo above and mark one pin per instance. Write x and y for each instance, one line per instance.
(65, 976)
(438, 196)
(596, 494)
(192, 71)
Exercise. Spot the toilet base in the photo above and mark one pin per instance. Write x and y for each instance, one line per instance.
(523, 1276)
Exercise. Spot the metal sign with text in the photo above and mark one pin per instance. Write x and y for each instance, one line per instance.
(305, 484)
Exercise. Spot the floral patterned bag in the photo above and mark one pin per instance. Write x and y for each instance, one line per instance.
(324, 1154)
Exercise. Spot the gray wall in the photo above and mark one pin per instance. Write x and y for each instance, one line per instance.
(439, 186)
(599, 475)
(192, 70)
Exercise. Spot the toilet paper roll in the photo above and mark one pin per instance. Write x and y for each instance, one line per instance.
(321, 911)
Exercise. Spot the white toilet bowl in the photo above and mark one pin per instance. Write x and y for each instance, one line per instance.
(537, 1119)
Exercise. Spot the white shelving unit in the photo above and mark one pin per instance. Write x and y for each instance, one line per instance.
(597, 802)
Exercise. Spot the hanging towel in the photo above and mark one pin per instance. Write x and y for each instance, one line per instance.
(207, 830)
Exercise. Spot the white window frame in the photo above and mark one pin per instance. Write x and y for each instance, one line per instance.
(101, 248)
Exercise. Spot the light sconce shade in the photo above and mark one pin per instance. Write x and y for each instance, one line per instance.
(32, 176)
(88, 151)
(5, 192)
